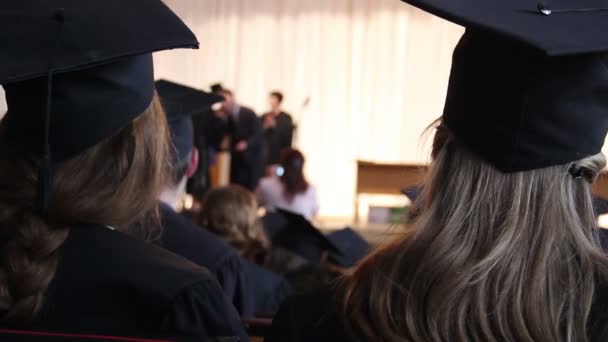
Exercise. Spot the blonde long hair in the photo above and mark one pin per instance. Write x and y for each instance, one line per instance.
(491, 257)
(231, 213)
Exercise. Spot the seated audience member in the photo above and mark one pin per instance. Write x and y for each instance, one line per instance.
(231, 213)
(179, 234)
(82, 160)
(209, 130)
(505, 247)
(289, 190)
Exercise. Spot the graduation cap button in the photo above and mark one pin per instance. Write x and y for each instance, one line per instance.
(59, 15)
(543, 8)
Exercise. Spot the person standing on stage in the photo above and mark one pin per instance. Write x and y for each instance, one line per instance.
(278, 129)
(246, 144)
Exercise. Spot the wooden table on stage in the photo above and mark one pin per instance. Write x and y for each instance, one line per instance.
(600, 187)
(385, 179)
(389, 179)
(219, 173)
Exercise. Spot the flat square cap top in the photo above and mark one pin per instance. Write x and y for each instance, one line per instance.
(571, 27)
(91, 32)
(83, 65)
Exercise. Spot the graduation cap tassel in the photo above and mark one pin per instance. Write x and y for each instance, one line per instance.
(45, 165)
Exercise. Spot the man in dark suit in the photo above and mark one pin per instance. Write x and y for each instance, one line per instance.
(247, 142)
(278, 129)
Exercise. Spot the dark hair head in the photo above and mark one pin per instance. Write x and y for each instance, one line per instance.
(217, 88)
(226, 92)
(278, 95)
(293, 178)
(114, 183)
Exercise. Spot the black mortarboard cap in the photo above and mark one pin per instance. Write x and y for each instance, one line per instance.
(527, 90)
(180, 103)
(352, 246)
(299, 236)
(274, 222)
(75, 72)
(412, 192)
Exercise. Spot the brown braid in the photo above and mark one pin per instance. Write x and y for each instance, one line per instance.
(28, 266)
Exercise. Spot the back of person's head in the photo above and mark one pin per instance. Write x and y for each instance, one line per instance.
(278, 96)
(491, 256)
(113, 183)
(293, 179)
(229, 99)
(231, 213)
(226, 93)
(217, 88)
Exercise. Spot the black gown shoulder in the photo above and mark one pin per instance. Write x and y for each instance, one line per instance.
(183, 237)
(251, 289)
(270, 289)
(308, 317)
(314, 316)
(109, 283)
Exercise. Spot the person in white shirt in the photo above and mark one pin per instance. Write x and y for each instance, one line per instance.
(289, 189)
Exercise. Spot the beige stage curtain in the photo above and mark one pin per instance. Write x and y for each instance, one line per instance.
(375, 72)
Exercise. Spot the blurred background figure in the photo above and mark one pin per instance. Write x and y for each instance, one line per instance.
(179, 234)
(246, 141)
(208, 134)
(230, 212)
(288, 189)
(278, 129)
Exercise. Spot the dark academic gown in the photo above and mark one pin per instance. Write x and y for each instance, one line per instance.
(252, 289)
(183, 237)
(271, 289)
(278, 137)
(314, 317)
(247, 167)
(108, 283)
